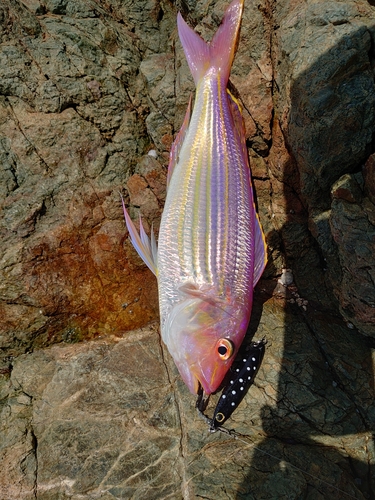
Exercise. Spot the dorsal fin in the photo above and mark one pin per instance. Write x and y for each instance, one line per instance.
(260, 259)
(177, 143)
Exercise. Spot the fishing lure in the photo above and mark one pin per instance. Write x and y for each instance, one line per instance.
(241, 377)
(211, 249)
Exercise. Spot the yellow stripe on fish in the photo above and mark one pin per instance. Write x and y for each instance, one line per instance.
(211, 249)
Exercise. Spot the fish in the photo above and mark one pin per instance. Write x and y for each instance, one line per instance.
(241, 376)
(211, 249)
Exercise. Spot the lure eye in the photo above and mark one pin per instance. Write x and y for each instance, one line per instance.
(225, 349)
(220, 417)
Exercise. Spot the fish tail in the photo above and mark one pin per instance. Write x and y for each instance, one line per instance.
(218, 55)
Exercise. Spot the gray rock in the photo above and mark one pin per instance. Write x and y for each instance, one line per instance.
(332, 103)
(112, 419)
(348, 189)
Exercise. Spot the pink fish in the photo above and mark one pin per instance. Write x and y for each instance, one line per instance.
(211, 250)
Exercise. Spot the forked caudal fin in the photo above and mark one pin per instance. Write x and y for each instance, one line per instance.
(146, 250)
(217, 55)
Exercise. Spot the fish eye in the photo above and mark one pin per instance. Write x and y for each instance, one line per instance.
(225, 348)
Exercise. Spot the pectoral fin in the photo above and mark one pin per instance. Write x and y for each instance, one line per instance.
(206, 293)
(194, 290)
(146, 250)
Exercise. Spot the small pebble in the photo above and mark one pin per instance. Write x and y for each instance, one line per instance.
(286, 277)
(153, 153)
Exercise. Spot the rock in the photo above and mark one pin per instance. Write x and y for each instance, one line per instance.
(159, 73)
(324, 99)
(369, 178)
(347, 188)
(286, 277)
(87, 90)
(70, 137)
(332, 101)
(141, 195)
(353, 229)
(153, 153)
(111, 419)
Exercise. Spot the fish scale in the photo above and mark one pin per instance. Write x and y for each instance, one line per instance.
(211, 249)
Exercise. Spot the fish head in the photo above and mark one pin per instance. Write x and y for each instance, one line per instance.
(203, 336)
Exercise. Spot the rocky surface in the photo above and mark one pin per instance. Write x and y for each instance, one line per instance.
(91, 407)
(111, 419)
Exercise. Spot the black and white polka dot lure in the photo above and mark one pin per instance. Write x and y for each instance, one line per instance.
(241, 376)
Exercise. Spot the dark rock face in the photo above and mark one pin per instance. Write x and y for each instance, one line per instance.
(87, 89)
(326, 107)
(352, 222)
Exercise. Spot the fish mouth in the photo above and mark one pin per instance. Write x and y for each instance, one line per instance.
(197, 386)
(203, 386)
(190, 379)
(208, 377)
(198, 380)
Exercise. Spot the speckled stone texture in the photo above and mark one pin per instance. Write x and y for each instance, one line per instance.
(92, 406)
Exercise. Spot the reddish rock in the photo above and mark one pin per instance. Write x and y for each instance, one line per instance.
(347, 188)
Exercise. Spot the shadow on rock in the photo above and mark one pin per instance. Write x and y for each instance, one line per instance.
(319, 429)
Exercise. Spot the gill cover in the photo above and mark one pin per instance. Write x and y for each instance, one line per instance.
(198, 334)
